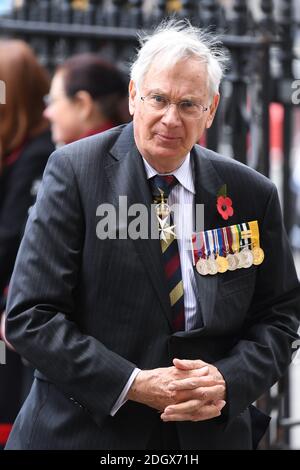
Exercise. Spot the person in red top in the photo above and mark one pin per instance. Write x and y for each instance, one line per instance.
(88, 95)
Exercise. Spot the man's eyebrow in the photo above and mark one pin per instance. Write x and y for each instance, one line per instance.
(157, 90)
(184, 98)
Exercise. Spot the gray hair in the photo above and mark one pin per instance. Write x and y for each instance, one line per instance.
(175, 40)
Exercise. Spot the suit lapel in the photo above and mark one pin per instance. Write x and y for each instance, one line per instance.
(126, 173)
(207, 185)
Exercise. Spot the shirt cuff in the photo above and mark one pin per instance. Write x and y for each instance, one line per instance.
(122, 397)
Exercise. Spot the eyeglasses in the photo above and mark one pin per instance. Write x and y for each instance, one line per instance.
(187, 109)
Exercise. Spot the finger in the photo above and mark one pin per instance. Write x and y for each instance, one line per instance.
(191, 383)
(188, 406)
(203, 395)
(199, 414)
(187, 364)
(220, 404)
(192, 407)
(214, 393)
(180, 374)
(189, 375)
(210, 379)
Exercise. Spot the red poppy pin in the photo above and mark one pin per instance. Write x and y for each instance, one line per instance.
(224, 203)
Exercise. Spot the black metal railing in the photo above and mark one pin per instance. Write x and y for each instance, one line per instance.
(260, 41)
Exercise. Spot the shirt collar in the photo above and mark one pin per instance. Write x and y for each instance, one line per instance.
(184, 173)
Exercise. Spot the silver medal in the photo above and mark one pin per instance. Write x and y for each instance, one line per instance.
(201, 267)
(246, 257)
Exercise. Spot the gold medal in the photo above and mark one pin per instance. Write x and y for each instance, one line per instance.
(222, 264)
(258, 255)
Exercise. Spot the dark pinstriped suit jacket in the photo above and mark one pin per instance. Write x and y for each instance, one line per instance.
(85, 312)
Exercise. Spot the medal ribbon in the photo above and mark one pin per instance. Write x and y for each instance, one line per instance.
(207, 246)
(235, 237)
(254, 233)
(211, 242)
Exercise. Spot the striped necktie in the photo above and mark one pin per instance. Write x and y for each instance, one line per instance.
(161, 187)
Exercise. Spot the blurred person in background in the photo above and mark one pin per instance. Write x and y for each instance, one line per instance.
(25, 145)
(88, 95)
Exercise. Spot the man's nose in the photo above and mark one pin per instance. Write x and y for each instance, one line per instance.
(171, 115)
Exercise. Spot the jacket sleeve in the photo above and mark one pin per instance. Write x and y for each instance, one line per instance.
(265, 349)
(19, 196)
(41, 303)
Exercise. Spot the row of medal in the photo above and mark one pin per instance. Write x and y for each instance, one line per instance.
(227, 248)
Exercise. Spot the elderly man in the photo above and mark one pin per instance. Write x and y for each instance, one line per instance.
(163, 340)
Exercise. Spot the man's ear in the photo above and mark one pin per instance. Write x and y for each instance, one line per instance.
(212, 110)
(132, 96)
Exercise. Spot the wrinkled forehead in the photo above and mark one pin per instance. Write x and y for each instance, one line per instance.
(189, 75)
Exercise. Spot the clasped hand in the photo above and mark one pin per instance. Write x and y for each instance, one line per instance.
(190, 390)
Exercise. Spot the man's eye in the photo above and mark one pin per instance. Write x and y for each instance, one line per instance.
(187, 104)
(158, 99)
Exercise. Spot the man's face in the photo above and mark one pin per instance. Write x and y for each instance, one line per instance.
(165, 137)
